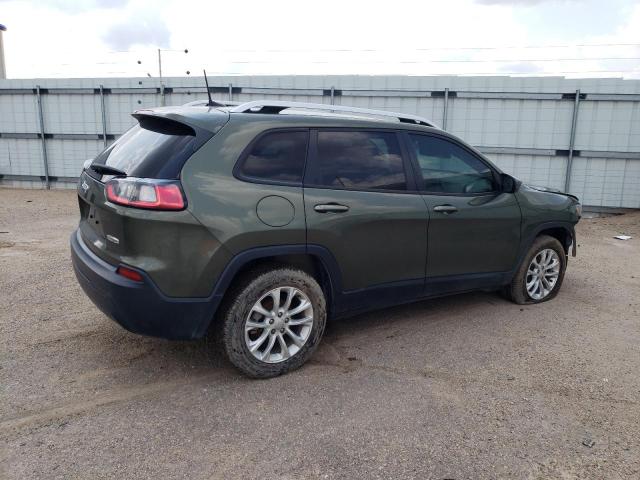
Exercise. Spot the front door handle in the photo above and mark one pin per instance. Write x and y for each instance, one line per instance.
(331, 208)
(446, 209)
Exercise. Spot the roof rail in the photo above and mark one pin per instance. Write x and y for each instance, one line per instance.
(204, 103)
(265, 106)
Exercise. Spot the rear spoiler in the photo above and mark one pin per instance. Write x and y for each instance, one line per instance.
(198, 118)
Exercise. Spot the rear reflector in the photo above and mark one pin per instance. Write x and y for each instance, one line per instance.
(129, 273)
(146, 193)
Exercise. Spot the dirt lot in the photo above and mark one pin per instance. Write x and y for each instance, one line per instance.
(463, 387)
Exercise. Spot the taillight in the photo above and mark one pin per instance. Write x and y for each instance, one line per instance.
(129, 273)
(146, 193)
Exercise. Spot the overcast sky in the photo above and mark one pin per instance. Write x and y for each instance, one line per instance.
(93, 38)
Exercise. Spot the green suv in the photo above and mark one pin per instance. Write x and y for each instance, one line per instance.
(256, 222)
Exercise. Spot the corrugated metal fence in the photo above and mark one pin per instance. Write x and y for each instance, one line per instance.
(578, 135)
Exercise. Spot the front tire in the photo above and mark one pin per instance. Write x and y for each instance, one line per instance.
(541, 273)
(272, 321)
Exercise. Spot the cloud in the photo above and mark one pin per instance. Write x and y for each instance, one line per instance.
(80, 6)
(378, 46)
(524, 3)
(111, 3)
(142, 28)
(520, 67)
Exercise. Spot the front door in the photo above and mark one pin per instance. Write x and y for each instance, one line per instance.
(361, 206)
(474, 227)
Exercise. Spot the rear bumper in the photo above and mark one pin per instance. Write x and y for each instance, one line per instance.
(140, 307)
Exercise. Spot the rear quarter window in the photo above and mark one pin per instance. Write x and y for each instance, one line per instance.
(276, 157)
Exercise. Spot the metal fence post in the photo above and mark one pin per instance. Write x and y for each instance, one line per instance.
(104, 116)
(445, 109)
(231, 92)
(42, 139)
(162, 99)
(333, 91)
(572, 141)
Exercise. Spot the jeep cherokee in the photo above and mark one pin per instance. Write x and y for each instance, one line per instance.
(256, 222)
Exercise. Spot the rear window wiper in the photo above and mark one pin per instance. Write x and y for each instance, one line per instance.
(107, 170)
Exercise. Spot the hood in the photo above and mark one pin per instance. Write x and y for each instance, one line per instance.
(551, 190)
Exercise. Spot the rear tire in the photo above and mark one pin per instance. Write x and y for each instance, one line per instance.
(264, 325)
(525, 287)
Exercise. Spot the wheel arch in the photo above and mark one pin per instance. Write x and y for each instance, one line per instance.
(315, 260)
(561, 233)
(564, 232)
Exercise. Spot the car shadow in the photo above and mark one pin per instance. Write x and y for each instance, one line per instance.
(169, 358)
(390, 318)
(432, 308)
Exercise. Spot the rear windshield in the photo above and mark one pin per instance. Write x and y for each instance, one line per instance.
(155, 148)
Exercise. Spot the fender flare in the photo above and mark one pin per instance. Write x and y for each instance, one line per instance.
(240, 260)
(526, 244)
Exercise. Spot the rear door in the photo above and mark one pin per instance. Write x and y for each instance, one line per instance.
(474, 229)
(361, 204)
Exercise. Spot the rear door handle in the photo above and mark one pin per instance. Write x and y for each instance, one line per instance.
(331, 208)
(446, 209)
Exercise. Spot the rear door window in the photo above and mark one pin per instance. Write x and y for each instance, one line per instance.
(155, 148)
(277, 157)
(358, 160)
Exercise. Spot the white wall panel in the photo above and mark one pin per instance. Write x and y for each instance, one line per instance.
(71, 113)
(20, 156)
(511, 123)
(607, 182)
(538, 170)
(67, 156)
(613, 126)
(603, 125)
(18, 113)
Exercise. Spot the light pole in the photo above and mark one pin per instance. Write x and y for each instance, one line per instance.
(3, 71)
(160, 50)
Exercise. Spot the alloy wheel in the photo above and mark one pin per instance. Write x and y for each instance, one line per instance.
(542, 274)
(279, 324)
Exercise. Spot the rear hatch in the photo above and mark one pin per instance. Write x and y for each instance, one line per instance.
(150, 155)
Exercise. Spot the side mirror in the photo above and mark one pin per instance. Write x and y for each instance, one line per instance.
(509, 184)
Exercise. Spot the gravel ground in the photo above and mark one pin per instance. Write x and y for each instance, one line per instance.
(461, 387)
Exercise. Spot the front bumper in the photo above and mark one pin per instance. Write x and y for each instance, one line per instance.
(140, 307)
